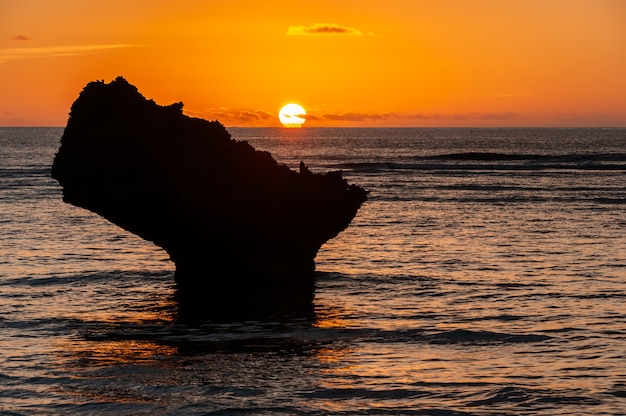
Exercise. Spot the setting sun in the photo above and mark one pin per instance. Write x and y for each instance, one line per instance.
(292, 115)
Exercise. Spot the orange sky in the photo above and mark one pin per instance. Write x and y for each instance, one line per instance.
(348, 63)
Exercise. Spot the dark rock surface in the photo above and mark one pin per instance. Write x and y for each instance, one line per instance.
(242, 229)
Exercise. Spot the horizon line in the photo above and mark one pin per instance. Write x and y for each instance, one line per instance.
(370, 127)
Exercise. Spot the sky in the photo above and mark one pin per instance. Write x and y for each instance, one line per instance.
(348, 63)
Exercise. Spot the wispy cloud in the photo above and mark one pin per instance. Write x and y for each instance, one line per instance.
(354, 116)
(21, 38)
(322, 29)
(48, 51)
(350, 117)
(260, 118)
(237, 118)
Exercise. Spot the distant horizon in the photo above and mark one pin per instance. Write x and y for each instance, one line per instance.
(370, 127)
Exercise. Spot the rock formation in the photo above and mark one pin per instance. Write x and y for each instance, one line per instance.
(242, 229)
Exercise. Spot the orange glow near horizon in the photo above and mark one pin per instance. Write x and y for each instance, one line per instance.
(367, 63)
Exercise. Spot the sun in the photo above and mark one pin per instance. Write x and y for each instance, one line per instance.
(292, 115)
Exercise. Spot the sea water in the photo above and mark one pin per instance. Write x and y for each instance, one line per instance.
(485, 275)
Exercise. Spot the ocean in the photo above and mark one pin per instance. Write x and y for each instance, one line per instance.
(485, 275)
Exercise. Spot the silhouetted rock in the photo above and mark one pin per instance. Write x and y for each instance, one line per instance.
(242, 230)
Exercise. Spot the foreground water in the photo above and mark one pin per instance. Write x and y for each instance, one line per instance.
(485, 275)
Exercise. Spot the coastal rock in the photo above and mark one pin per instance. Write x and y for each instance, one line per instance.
(242, 229)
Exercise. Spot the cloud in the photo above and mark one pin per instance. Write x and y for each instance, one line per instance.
(350, 117)
(252, 116)
(322, 29)
(262, 118)
(507, 115)
(237, 118)
(21, 38)
(54, 51)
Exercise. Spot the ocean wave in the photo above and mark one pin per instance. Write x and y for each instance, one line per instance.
(528, 398)
(290, 334)
(464, 336)
(88, 277)
(566, 158)
(24, 172)
(494, 161)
